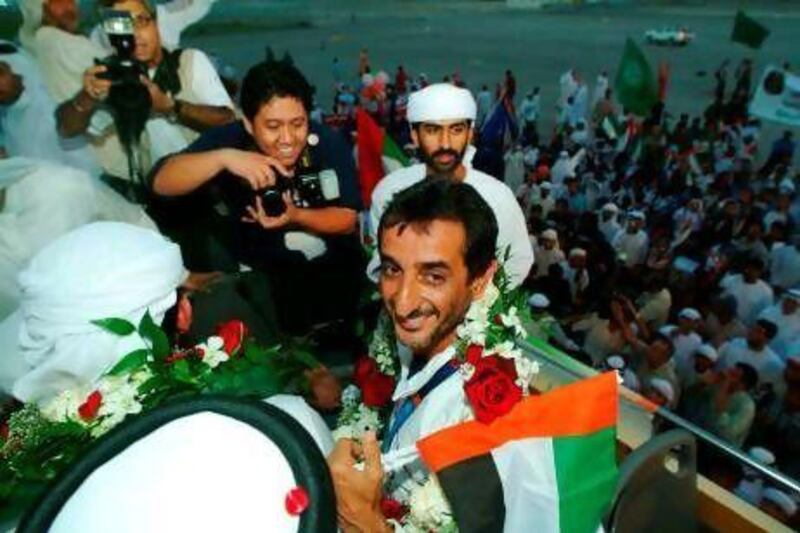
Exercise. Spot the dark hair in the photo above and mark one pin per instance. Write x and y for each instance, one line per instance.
(749, 375)
(444, 199)
(660, 337)
(769, 327)
(146, 4)
(269, 79)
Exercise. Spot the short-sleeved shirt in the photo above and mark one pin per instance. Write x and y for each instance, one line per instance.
(218, 206)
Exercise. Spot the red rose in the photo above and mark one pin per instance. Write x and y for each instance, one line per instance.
(473, 354)
(393, 509)
(492, 390)
(376, 388)
(88, 410)
(233, 333)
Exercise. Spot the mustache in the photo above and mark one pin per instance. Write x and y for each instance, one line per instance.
(446, 151)
(416, 313)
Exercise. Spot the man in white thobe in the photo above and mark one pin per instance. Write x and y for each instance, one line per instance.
(442, 117)
(632, 243)
(752, 294)
(786, 315)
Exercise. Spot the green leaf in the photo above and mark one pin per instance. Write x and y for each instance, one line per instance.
(181, 372)
(133, 360)
(117, 326)
(158, 339)
(306, 358)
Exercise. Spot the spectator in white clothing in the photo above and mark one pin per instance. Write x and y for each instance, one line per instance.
(754, 350)
(752, 293)
(786, 315)
(632, 243)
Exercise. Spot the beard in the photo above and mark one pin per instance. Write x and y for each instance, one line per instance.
(442, 169)
(445, 327)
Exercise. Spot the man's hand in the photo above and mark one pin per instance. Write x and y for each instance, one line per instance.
(255, 168)
(163, 103)
(257, 215)
(326, 390)
(201, 281)
(96, 88)
(358, 492)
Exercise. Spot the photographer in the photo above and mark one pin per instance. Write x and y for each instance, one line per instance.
(182, 94)
(274, 192)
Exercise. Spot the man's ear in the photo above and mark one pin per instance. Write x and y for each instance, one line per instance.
(248, 125)
(479, 284)
(414, 136)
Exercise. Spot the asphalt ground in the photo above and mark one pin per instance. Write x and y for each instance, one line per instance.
(483, 39)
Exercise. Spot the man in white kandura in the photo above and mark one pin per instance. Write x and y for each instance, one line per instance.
(442, 119)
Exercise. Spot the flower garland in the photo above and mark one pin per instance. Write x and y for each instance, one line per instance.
(40, 441)
(496, 376)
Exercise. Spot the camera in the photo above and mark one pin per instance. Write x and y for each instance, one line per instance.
(122, 66)
(306, 188)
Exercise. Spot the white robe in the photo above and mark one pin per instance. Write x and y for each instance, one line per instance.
(511, 226)
(29, 124)
(633, 247)
(751, 298)
(42, 202)
(788, 329)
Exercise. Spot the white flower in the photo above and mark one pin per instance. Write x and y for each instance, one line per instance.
(429, 508)
(472, 332)
(506, 350)
(120, 399)
(65, 406)
(351, 395)
(511, 320)
(213, 354)
(526, 370)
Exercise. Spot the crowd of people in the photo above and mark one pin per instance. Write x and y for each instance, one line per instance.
(664, 247)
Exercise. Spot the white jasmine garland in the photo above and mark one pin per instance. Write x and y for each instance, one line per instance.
(65, 405)
(213, 354)
(429, 510)
(512, 320)
(120, 399)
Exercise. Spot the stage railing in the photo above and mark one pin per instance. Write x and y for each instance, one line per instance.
(558, 368)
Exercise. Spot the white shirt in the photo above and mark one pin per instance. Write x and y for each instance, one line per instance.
(610, 228)
(599, 342)
(685, 346)
(578, 281)
(788, 328)
(785, 266)
(655, 307)
(751, 298)
(632, 246)
(512, 231)
(444, 406)
(545, 258)
(768, 365)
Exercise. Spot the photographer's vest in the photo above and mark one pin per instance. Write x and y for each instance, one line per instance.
(166, 75)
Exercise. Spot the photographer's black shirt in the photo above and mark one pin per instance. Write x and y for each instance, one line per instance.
(207, 222)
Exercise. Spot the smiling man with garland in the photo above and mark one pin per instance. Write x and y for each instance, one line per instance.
(437, 248)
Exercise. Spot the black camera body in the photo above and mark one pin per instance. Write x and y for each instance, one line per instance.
(121, 67)
(305, 188)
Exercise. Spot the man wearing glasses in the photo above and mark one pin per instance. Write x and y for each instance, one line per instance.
(185, 91)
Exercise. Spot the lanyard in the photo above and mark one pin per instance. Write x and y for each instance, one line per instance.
(407, 406)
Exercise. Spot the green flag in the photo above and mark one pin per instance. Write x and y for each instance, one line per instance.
(748, 31)
(636, 86)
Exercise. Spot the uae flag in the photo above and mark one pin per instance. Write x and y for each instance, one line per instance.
(549, 465)
(373, 146)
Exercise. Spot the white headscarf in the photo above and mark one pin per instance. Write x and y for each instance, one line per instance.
(441, 101)
(29, 124)
(31, 22)
(101, 270)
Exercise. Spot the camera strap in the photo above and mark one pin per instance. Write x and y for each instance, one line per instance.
(166, 75)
